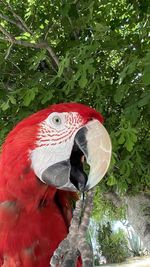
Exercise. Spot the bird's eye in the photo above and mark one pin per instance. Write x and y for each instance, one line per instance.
(56, 120)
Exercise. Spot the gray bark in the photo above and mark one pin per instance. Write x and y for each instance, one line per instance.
(138, 213)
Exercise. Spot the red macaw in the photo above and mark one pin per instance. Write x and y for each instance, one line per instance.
(41, 169)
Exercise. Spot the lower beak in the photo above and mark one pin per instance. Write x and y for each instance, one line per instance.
(93, 142)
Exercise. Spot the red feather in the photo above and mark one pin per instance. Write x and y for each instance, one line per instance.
(34, 218)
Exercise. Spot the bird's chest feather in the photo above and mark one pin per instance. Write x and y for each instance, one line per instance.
(33, 233)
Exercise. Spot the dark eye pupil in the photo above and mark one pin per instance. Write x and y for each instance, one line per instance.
(57, 120)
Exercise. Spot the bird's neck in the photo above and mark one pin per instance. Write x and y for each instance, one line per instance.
(19, 183)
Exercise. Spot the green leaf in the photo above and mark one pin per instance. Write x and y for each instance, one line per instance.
(47, 96)
(120, 92)
(132, 65)
(121, 139)
(122, 75)
(83, 80)
(5, 106)
(63, 64)
(24, 36)
(146, 72)
(131, 139)
(129, 144)
(132, 113)
(42, 26)
(99, 27)
(146, 76)
(29, 96)
(37, 59)
(111, 180)
(12, 99)
(144, 100)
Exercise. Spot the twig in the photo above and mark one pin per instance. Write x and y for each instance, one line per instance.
(76, 1)
(73, 30)
(16, 66)
(18, 24)
(8, 37)
(7, 18)
(19, 21)
(52, 54)
(48, 28)
(8, 51)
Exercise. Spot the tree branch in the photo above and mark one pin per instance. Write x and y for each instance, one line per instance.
(8, 51)
(8, 37)
(114, 198)
(52, 54)
(18, 24)
(19, 21)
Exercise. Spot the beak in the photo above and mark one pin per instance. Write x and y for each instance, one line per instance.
(91, 142)
(97, 153)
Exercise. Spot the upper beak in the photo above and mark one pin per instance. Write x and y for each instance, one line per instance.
(92, 141)
(97, 151)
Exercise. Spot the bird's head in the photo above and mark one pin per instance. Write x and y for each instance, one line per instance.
(57, 142)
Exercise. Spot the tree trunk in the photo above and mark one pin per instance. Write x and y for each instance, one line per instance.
(138, 213)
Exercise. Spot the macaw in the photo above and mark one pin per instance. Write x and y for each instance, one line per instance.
(41, 171)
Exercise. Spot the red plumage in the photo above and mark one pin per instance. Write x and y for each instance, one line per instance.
(34, 217)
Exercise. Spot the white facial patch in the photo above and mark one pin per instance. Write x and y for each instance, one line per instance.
(45, 156)
(55, 140)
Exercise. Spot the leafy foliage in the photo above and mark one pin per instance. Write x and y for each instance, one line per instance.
(113, 245)
(104, 210)
(94, 52)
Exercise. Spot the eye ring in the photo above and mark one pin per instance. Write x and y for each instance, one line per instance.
(56, 120)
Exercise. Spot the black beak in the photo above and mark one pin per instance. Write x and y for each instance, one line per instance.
(78, 176)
